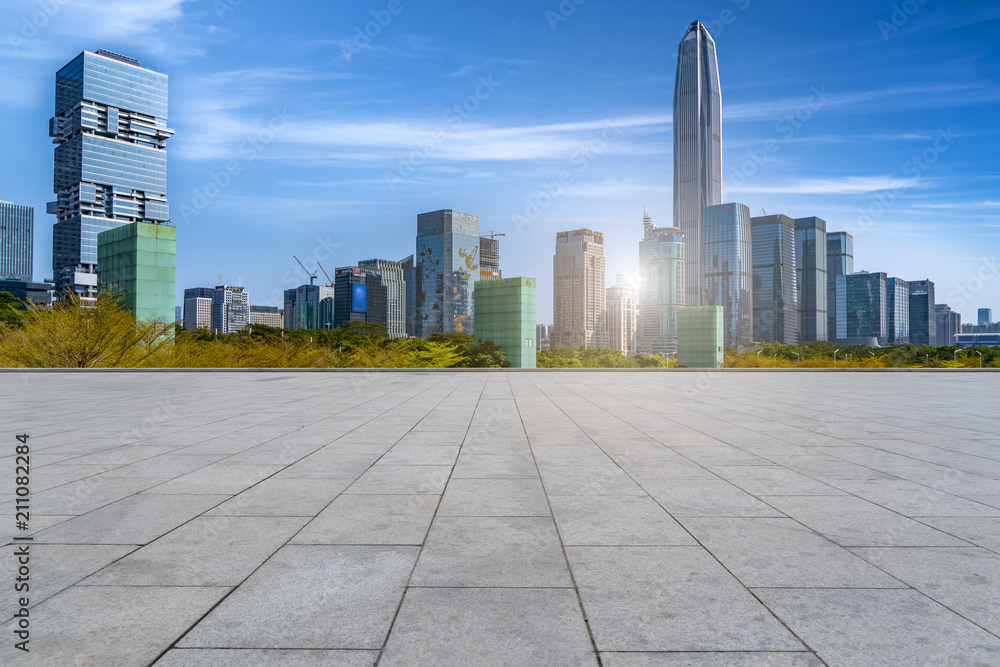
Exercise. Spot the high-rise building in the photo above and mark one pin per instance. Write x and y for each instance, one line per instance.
(923, 321)
(506, 314)
(230, 309)
(489, 258)
(179, 314)
(727, 269)
(579, 294)
(661, 265)
(810, 256)
(269, 316)
(110, 131)
(700, 337)
(622, 319)
(198, 308)
(948, 325)
(137, 261)
(697, 146)
(359, 295)
(410, 283)
(447, 269)
(839, 262)
(775, 282)
(897, 294)
(301, 307)
(16, 241)
(985, 316)
(543, 335)
(862, 307)
(38, 294)
(391, 275)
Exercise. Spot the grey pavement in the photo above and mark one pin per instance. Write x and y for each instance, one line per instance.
(550, 518)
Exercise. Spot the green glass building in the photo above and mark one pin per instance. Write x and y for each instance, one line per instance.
(506, 313)
(139, 260)
(700, 337)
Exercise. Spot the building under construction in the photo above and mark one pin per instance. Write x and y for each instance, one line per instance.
(489, 258)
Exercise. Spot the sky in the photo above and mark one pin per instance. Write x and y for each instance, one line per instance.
(320, 130)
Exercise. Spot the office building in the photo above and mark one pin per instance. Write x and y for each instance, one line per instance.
(700, 337)
(179, 314)
(985, 316)
(947, 326)
(268, 316)
(489, 258)
(810, 263)
(359, 296)
(923, 327)
(38, 294)
(543, 334)
(410, 283)
(579, 290)
(110, 131)
(622, 319)
(301, 307)
(137, 261)
(697, 146)
(17, 225)
(198, 308)
(897, 294)
(662, 292)
(862, 307)
(230, 309)
(727, 270)
(775, 280)
(839, 262)
(965, 340)
(447, 268)
(506, 314)
(392, 280)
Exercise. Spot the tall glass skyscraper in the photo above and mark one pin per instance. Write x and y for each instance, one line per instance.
(839, 262)
(447, 268)
(862, 307)
(923, 320)
(661, 260)
(697, 146)
(110, 131)
(775, 283)
(17, 224)
(810, 252)
(391, 278)
(985, 316)
(726, 259)
(897, 294)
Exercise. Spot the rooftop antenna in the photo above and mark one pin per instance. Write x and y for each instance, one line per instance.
(765, 212)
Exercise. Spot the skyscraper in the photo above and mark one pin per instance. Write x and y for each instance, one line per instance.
(621, 319)
(810, 255)
(862, 307)
(270, 316)
(579, 294)
(391, 278)
(447, 269)
(489, 258)
(948, 324)
(230, 309)
(198, 308)
(110, 131)
(697, 146)
(410, 283)
(302, 307)
(727, 269)
(661, 263)
(923, 320)
(985, 316)
(16, 241)
(775, 283)
(897, 293)
(839, 262)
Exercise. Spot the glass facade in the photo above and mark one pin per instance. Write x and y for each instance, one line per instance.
(138, 261)
(230, 309)
(728, 271)
(410, 285)
(662, 293)
(839, 262)
(923, 321)
(985, 316)
(506, 313)
(810, 252)
(110, 130)
(775, 281)
(302, 307)
(697, 146)
(446, 270)
(360, 295)
(700, 337)
(947, 326)
(863, 308)
(391, 274)
(17, 225)
(897, 293)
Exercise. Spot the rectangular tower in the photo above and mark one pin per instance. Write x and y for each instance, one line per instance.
(810, 255)
(489, 258)
(923, 321)
(391, 276)
(622, 316)
(579, 290)
(138, 262)
(775, 283)
(897, 294)
(447, 268)
(948, 325)
(16, 241)
(839, 262)
(506, 314)
(661, 268)
(985, 316)
(863, 307)
(110, 131)
(727, 269)
(230, 309)
(700, 337)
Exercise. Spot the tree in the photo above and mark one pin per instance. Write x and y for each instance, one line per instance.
(72, 334)
(10, 310)
(435, 355)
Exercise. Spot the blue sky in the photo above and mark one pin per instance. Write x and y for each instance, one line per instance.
(339, 122)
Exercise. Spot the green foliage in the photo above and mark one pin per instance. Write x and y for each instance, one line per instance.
(569, 356)
(10, 310)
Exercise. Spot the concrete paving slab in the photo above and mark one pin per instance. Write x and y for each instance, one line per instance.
(600, 480)
(383, 479)
(706, 497)
(217, 478)
(494, 497)
(195, 657)
(711, 659)
(371, 519)
(981, 531)
(283, 497)
(616, 521)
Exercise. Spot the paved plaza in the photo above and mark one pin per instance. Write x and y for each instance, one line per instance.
(627, 519)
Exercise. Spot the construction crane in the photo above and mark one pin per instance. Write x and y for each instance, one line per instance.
(328, 278)
(312, 276)
(493, 235)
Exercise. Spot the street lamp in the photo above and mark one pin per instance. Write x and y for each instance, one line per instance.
(835, 355)
(798, 357)
(956, 355)
(980, 358)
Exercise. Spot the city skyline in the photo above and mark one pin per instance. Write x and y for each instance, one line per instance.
(511, 145)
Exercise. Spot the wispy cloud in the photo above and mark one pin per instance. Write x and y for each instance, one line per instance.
(849, 185)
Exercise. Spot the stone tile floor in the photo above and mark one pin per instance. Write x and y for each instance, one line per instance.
(623, 519)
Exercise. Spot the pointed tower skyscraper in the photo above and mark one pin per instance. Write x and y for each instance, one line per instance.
(697, 147)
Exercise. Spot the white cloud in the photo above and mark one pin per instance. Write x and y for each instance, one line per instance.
(849, 185)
